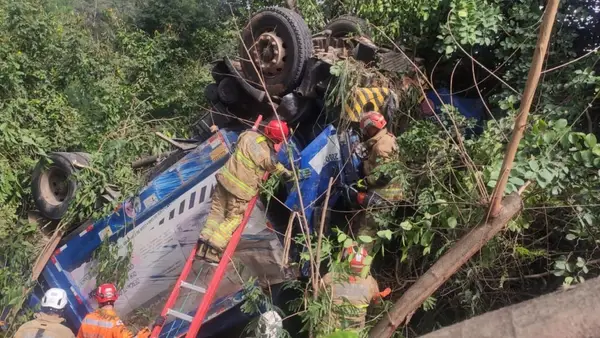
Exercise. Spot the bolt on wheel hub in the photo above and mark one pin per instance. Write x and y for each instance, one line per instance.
(269, 53)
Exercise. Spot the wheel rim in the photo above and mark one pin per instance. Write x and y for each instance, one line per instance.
(54, 186)
(269, 53)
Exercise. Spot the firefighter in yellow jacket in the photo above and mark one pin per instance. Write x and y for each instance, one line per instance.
(381, 148)
(351, 293)
(47, 323)
(237, 183)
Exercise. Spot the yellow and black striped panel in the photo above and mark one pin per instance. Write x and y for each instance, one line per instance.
(361, 97)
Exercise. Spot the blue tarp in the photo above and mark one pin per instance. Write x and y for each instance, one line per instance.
(469, 108)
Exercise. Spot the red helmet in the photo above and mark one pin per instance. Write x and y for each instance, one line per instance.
(106, 293)
(357, 263)
(277, 130)
(374, 119)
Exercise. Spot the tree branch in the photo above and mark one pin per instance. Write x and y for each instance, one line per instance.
(521, 121)
(445, 267)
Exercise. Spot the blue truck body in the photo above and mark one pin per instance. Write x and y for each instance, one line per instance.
(163, 221)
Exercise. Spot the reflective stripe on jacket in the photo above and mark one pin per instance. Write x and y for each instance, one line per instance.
(103, 323)
(382, 148)
(352, 291)
(44, 326)
(243, 172)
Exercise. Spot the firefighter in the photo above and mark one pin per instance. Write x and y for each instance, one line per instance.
(237, 183)
(104, 322)
(47, 323)
(381, 148)
(351, 293)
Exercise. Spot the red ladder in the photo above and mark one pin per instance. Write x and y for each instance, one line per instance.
(209, 294)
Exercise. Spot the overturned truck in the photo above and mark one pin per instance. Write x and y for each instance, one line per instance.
(282, 68)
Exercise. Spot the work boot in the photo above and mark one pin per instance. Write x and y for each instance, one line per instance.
(207, 252)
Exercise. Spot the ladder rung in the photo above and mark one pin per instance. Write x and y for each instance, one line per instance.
(193, 287)
(179, 315)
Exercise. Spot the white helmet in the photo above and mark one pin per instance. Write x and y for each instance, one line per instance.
(55, 298)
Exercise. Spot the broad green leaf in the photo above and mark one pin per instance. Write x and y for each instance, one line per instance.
(406, 225)
(342, 237)
(462, 13)
(571, 237)
(452, 222)
(590, 140)
(534, 165)
(548, 137)
(561, 123)
(387, 234)
(573, 138)
(586, 155)
(365, 239)
(516, 181)
(596, 150)
(348, 243)
(564, 141)
(426, 238)
(426, 250)
(545, 175)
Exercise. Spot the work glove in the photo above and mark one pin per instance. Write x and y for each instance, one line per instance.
(382, 295)
(287, 174)
(361, 185)
(302, 175)
(385, 293)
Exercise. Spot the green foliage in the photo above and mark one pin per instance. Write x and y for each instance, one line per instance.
(255, 298)
(67, 86)
(470, 23)
(112, 263)
(343, 334)
(17, 251)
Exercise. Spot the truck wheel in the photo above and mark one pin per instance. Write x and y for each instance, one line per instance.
(211, 92)
(53, 186)
(219, 71)
(348, 25)
(229, 91)
(278, 43)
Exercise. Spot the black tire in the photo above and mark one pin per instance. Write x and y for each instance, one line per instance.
(211, 92)
(293, 31)
(219, 71)
(348, 25)
(229, 91)
(53, 185)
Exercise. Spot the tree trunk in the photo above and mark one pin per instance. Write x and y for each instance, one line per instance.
(445, 267)
(564, 314)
